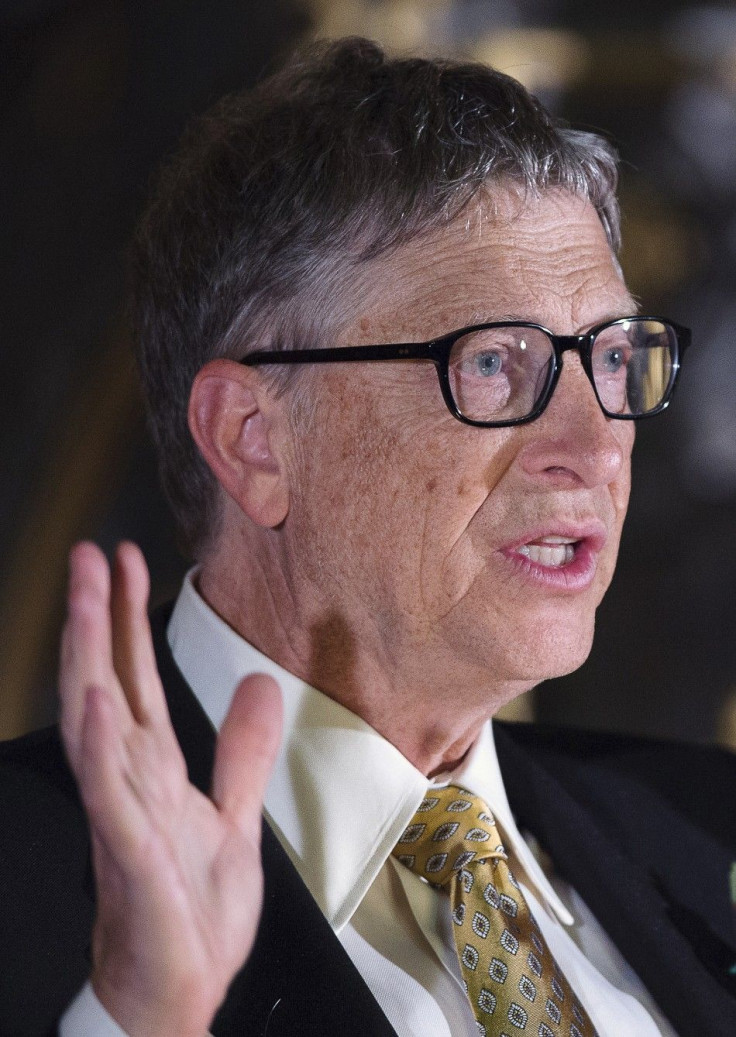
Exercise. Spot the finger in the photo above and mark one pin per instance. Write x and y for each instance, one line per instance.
(246, 751)
(112, 806)
(86, 649)
(132, 644)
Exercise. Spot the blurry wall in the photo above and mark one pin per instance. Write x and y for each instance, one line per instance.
(93, 94)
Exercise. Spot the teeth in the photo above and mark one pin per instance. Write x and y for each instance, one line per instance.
(552, 551)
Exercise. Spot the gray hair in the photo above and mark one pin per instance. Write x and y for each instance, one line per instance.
(278, 196)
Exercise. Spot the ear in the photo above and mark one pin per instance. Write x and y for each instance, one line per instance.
(237, 423)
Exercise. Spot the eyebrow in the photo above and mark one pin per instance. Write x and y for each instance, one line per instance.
(482, 317)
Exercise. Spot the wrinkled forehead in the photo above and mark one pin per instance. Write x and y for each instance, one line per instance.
(511, 255)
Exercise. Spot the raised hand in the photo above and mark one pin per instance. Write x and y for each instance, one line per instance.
(179, 879)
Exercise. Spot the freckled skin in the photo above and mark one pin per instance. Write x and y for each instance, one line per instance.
(390, 556)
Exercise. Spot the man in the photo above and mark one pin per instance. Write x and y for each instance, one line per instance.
(392, 369)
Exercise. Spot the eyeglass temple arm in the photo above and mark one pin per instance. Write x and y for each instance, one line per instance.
(399, 351)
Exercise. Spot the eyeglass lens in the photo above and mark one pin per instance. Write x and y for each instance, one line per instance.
(501, 374)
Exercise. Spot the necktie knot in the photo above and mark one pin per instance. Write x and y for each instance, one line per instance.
(451, 830)
(512, 980)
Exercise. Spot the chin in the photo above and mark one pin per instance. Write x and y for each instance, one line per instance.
(533, 650)
(557, 652)
(526, 635)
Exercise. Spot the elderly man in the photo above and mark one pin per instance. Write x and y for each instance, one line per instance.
(392, 368)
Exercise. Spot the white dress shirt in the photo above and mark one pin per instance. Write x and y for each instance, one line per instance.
(338, 800)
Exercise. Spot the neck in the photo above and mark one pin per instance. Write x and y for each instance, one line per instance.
(427, 703)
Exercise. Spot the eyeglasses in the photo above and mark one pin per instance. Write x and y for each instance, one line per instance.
(504, 373)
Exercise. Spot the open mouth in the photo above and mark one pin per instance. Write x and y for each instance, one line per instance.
(565, 560)
(554, 552)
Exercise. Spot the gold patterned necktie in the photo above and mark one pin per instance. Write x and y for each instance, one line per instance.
(513, 982)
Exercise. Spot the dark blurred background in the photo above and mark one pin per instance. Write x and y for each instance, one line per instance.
(93, 94)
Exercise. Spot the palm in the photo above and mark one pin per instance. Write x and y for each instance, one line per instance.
(178, 875)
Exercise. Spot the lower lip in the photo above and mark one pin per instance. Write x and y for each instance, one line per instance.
(577, 575)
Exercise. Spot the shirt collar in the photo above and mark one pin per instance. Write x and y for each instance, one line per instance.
(340, 794)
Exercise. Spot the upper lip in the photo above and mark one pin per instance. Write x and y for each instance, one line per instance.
(592, 530)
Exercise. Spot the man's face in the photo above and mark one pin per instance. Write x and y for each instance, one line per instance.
(454, 553)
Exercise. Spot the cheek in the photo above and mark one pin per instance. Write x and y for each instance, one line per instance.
(462, 499)
(388, 486)
(469, 487)
(352, 501)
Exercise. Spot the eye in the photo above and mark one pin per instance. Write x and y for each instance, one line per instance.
(613, 359)
(488, 364)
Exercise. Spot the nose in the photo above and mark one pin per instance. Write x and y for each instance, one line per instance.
(573, 444)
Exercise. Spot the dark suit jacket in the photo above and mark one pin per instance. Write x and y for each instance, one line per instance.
(645, 831)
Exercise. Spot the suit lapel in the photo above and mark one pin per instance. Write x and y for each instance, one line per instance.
(298, 980)
(678, 956)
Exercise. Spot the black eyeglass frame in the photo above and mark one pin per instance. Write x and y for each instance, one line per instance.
(438, 351)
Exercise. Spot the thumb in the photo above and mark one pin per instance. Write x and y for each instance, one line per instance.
(246, 750)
